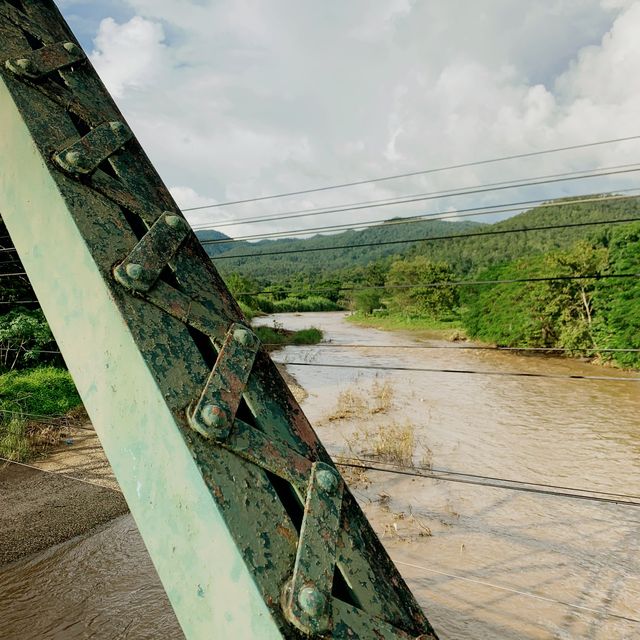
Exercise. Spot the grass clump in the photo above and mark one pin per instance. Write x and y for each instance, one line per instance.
(275, 336)
(45, 391)
(32, 405)
(360, 403)
(394, 443)
(14, 441)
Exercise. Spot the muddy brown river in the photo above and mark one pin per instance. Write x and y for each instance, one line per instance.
(498, 564)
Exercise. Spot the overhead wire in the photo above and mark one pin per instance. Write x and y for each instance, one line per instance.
(454, 236)
(508, 482)
(528, 594)
(446, 283)
(462, 347)
(60, 474)
(517, 374)
(435, 195)
(488, 483)
(469, 212)
(409, 174)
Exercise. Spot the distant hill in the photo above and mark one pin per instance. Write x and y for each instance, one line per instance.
(211, 235)
(293, 263)
(465, 255)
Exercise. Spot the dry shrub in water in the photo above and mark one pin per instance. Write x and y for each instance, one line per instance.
(382, 396)
(350, 404)
(357, 403)
(393, 442)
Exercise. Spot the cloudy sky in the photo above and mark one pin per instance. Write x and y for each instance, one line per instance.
(240, 98)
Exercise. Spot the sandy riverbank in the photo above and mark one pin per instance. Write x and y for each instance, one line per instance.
(40, 510)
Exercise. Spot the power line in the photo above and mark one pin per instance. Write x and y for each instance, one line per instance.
(445, 283)
(488, 483)
(528, 594)
(13, 275)
(518, 374)
(413, 173)
(435, 195)
(454, 236)
(5, 302)
(425, 217)
(506, 481)
(463, 347)
(62, 475)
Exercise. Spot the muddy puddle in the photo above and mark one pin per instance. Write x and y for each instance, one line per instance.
(486, 563)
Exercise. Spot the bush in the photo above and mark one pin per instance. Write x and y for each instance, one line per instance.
(367, 301)
(23, 334)
(312, 303)
(46, 391)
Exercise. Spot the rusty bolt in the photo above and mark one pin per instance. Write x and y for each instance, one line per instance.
(311, 601)
(118, 127)
(243, 336)
(134, 271)
(212, 416)
(24, 64)
(72, 48)
(175, 222)
(327, 480)
(72, 158)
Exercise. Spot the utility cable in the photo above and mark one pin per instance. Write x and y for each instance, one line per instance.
(445, 283)
(517, 374)
(462, 347)
(355, 183)
(60, 474)
(507, 481)
(528, 594)
(424, 217)
(493, 485)
(434, 195)
(454, 236)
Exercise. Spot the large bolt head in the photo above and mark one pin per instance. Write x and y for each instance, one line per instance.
(327, 480)
(72, 158)
(311, 601)
(72, 48)
(118, 127)
(175, 222)
(213, 416)
(24, 64)
(134, 271)
(243, 336)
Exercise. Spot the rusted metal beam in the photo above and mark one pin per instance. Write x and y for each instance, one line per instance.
(250, 526)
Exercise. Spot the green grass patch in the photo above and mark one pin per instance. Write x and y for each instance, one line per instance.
(14, 441)
(397, 322)
(278, 337)
(45, 391)
(33, 393)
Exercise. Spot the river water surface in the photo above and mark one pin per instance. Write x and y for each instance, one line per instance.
(499, 564)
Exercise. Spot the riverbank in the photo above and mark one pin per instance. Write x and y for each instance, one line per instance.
(452, 330)
(68, 491)
(66, 494)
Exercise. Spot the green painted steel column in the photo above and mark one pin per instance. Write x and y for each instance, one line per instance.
(250, 526)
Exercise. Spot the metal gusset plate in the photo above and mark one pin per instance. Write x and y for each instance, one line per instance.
(41, 62)
(215, 410)
(85, 155)
(270, 454)
(140, 270)
(307, 597)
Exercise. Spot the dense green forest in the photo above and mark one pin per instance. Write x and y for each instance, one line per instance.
(422, 280)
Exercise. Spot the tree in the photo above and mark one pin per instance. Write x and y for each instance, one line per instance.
(419, 287)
